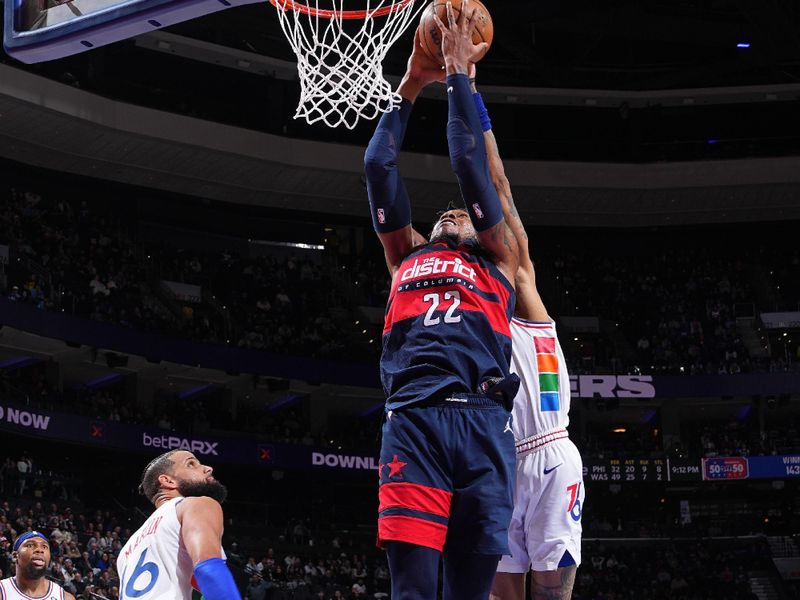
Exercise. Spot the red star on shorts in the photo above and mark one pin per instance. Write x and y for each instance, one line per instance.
(395, 466)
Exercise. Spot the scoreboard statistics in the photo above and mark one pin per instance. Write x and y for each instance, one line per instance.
(626, 470)
(723, 468)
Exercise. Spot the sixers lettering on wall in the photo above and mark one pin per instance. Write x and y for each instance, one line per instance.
(612, 386)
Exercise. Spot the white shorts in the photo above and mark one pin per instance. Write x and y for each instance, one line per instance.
(548, 503)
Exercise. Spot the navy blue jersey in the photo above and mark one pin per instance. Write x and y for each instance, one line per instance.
(447, 324)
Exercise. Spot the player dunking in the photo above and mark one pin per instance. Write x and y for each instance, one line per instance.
(545, 531)
(31, 554)
(179, 548)
(447, 456)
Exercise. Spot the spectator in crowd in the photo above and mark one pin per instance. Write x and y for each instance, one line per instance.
(257, 589)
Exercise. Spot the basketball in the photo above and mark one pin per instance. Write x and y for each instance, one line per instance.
(431, 37)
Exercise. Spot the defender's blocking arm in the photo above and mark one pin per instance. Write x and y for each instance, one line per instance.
(466, 143)
(529, 303)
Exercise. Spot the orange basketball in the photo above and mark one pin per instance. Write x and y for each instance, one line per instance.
(432, 38)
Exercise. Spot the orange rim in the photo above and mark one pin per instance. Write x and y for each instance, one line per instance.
(338, 14)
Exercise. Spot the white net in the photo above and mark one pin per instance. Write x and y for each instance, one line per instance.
(340, 56)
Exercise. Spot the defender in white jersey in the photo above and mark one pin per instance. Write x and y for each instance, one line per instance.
(545, 531)
(177, 553)
(31, 556)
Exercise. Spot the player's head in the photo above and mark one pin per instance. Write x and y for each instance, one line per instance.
(31, 552)
(453, 224)
(179, 473)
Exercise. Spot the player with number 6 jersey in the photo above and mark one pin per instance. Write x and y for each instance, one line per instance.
(177, 554)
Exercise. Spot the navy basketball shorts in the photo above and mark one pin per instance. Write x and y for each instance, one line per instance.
(447, 476)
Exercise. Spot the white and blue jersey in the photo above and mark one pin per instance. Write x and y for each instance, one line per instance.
(154, 563)
(10, 591)
(549, 493)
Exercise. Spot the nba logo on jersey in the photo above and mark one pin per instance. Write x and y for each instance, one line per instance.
(381, 216)
(478, 212)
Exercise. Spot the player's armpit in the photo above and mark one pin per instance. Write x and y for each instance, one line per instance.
(500, 241)
(201, 527)
(397, 245)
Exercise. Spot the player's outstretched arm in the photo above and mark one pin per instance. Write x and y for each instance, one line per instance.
(201, 531)
(466, 144)
(388, 199)
(529, 303)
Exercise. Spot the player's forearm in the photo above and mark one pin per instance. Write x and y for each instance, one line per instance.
(215, 580)
(389, 204)
(496, 169)
(410, 87)
(468, 155)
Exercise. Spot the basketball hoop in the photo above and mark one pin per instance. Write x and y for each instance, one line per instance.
(340, 61)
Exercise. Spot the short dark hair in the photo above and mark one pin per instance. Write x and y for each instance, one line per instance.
(157, 467)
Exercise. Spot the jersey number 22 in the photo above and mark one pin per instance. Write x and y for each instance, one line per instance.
(436, 299)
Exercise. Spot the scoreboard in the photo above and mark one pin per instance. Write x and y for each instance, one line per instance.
(718, 468)
(626, 469)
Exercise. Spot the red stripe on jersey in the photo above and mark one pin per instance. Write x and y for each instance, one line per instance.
(416, 497)
(497, 318)
(451, 265)
(411, 530)
(413, 303)
(545, 345)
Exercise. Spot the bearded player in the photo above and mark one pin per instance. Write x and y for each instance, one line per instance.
(545, 531)
(31, 555)
(178, 551)
(447, 453)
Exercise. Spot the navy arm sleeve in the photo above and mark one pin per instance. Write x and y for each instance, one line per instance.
(388, 198)
(468, 155)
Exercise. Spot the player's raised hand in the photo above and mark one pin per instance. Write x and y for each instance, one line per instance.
(421, 67)
(457, 46)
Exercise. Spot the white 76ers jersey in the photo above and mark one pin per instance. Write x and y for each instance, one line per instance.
(154, 564)
(542, 403)
(10, 591)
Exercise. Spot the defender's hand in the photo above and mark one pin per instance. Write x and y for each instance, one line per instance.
(457, 45)
(422, 68)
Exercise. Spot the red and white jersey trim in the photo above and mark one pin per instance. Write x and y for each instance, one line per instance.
(537, 442)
